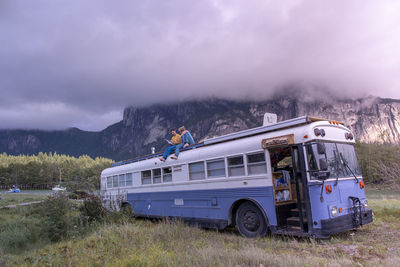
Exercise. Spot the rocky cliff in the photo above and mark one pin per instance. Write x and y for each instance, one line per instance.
(372, 119)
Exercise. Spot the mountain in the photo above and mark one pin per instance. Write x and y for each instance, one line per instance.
(372, 119)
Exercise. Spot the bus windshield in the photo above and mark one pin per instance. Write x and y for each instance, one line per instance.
(341, 160)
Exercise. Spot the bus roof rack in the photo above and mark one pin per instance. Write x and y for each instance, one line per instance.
(149, 156)
(236, 135)
(263, 129)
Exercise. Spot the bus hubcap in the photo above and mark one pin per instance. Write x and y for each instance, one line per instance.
(251, 221)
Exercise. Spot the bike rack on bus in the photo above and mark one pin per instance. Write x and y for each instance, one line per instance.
(357, 215)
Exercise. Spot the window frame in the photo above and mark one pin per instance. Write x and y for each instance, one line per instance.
(126, 176)
(115, 178)
(235, 166)
(220, 159)
(204, 170)
(119, 180)
(145, 178)
(109, 182)
(154, 176)
(259, 163)
(163, 174)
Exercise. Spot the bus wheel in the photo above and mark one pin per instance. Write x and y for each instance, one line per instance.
(250, 221)
(126, 209)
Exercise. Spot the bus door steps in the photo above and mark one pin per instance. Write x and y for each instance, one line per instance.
(295, 213)
(292, 231)
(294, 221)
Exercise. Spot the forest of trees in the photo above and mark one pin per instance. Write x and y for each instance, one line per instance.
(380, 164)
(46, 170)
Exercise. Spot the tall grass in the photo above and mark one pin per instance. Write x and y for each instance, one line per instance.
(56, 218)
(118, 241)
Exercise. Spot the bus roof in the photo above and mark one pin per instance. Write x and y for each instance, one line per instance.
(232, 136)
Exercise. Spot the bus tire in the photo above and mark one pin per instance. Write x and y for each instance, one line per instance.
(250, 221)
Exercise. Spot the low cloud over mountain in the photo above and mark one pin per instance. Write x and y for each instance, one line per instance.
(78, 63)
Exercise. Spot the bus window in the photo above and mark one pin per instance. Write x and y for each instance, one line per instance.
(341, 159)
(156, 176)
(128, 179)
(196, 171)
(167, 174)
(348, 155)
(146, 177)
(109, 182)
(256, 163)
(115, 181)
(122, 180)
(216, 168)
(235, 166)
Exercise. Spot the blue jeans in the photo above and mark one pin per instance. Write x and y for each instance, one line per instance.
(168, 151)
(178, 147)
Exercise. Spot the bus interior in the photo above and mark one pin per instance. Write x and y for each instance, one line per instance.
(288, 189)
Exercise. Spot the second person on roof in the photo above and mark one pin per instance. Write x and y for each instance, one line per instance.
(187, 140)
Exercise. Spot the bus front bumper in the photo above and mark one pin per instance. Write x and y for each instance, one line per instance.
(344, 223)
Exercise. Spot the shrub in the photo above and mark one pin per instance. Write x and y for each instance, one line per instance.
(19, 233)
(92, 209)
(59, 217)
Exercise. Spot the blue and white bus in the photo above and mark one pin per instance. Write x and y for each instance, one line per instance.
(297, 177)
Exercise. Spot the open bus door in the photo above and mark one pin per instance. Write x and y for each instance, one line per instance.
(302, 214)
(289, 181)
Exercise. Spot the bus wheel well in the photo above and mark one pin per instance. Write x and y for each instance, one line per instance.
(235, 206)
(126, 208)
(124, 203)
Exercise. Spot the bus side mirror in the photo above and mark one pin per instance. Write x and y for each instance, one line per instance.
(321, 148)
(323, 164)
(323, 172)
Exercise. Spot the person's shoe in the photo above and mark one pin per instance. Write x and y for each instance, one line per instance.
(174, 157)
(162, 159)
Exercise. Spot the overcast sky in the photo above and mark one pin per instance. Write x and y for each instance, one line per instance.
(77, 63)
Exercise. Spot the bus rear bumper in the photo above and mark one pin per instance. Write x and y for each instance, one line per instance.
(344, 223)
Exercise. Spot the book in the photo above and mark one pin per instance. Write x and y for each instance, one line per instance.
(169, 142)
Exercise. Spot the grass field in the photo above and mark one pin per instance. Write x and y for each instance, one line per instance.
(16, 198)
(146, 243)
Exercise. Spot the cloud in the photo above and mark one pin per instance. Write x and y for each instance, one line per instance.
(55, 116)
(95, 57)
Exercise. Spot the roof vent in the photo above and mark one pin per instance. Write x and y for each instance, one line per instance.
(269, 119)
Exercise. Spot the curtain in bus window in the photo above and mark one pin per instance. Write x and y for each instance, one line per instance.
(115, 181)
(216, 168)
(167, 174)
(109, 182)
(156, 176)
(122, 180)
(256, 163)
(146, 177)
(196, 171)
(235, 166)
(128, 179)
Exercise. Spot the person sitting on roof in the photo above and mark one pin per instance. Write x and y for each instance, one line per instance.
(175, 141)
(187, 140)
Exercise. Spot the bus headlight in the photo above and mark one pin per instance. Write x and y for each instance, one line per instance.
(365, 203)
(334, 211)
